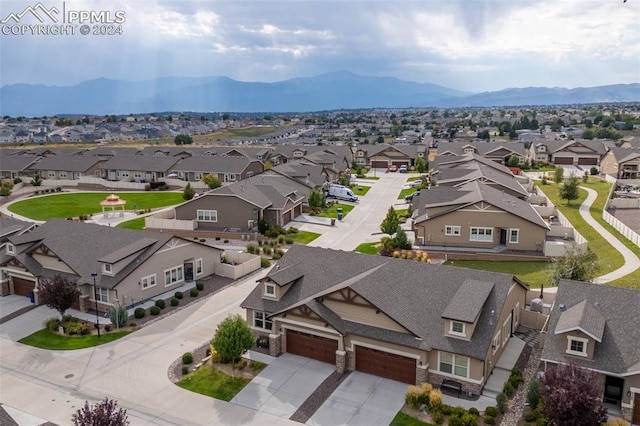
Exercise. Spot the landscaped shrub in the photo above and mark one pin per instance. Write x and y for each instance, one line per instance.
(532, 416)
(256, 366)
(118, 315)
(501, 399)
(225, 241)
(77, 329)
(543, 422)
(457, 411)
(474, 411)
(193, 292)
(266, 250)
(154, 310)
(435, 399)
(260, 242)
(185, 369)
(200, 286)
(251, 248)
(446, 409)
(533, 393)
(241, 365)
(464, 419)
(52, 324)
(139, 313)
(516, 378)
(281, 239)
(217, 238)
(489, 420)
(107, 328)
(133, 324)
(491, 411)
(174, 301)
(160, 304)
(617, 422)
(414, 397)
(288, 240)
(264, 262)
(187, 358)
(292, 230)
(508, 388)
(593, 171)
(438, 417)
(179, 295)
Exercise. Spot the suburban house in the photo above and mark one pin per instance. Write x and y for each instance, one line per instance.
(66, 166)
(306, 172)
(140, 168)
(227, 169)
(16, 165)
(595, 326)
(479, 216)
(408, 321)
(623, 163)
(500, 152)
(131, 266)
(239, 206)
(579, 152)
(335, 157)
(382, 156)
(457, 171)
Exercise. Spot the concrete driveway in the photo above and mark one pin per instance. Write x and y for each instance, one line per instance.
(282, 387)
(362, 399)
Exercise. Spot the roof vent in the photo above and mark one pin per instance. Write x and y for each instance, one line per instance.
(563, 307)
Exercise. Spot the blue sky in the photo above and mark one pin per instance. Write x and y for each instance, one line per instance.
(472, 45)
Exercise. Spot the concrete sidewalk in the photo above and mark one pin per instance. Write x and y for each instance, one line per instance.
(631, 261)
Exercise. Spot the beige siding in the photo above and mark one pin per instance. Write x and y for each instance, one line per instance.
(609, 165)
(51, 262)
(233, 212)
(476, 367)
(468, 330)
(364, 315)
(591, 344)
(629, 382)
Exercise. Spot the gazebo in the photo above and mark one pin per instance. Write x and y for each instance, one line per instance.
(112, 201)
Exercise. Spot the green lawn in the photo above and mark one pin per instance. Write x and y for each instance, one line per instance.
(402, 419)
(303, 237)
(405, 192)
(66, 205)
(403, 214)
(360, 190)
(368, 248)
(372, 178)
(332, 211)
(208, 381)
(46, 339)
(137, 224)
(412, 179)
(535, 274)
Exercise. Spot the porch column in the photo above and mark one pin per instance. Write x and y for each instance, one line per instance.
(341, 361)
(275, 344)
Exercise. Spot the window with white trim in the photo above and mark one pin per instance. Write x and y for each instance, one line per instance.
(51, 173)
(453, 364)
(260, 320)
(148, 281)
(481, 234)
(452, 230)
(102, 294)
(457, 327)
(137, 174)
(506, 330)
(174, 275)
(63, 174)
(107, 268)
(198, 266)
(124, 173)
(11, 249)
(496, 342)
(577, 346)
(270, 290)
(514, 236)
(207, 215)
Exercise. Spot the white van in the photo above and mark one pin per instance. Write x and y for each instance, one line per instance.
(342, 192)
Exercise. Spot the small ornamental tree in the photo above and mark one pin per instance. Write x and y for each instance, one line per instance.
(514, 161)
(575, 265)
(569, 189)
(390, 223)
(316, 200)
(233, 337)
(401, 240)
(211, 181)
(188, 192)
(558, 174)
(58, 293)
(183, 140)
(572, 396)
(420, 164)
(103, 413)
(36, 180)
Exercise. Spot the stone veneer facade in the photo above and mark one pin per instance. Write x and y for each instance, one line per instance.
(626, 413)
(341, 361)
(436, 379)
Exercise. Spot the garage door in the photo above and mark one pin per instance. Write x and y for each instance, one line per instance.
(22, 287)
(385, 364)
(379, 164)
(587, 161)
(286, 218)
(636, 409)
(563, 160)
(311, 346)
(400, 163)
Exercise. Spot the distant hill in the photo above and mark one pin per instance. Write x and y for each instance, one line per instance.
(338, 90)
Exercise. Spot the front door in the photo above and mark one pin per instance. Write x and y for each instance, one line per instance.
(188, 271)
(503, 236)
(636, 409)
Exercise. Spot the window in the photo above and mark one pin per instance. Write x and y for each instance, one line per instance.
(102, 294)
(172, 276)
(207, 215)
(124, 173)
(269, 290)
(197, 175)
(481, 234)
(457, 327)
(198, 266)
(452, 230)
(514, 235)
(107, 268)
(496, 343)
(148, 282)
(11, 249)
(63, 175)
(506, 330)
(51, 174)
(298, 153)
(137, 174)
(456, 365)
(577, 346)
(260, 320)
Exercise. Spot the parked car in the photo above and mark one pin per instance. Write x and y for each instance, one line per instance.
(415, 183)
(393, 168)
(409, 198)
(403, 169)
(342, 193)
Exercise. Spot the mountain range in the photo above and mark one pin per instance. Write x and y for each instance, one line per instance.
(337, 90)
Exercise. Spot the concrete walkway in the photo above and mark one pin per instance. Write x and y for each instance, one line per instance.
(503, 368)
(631, 261)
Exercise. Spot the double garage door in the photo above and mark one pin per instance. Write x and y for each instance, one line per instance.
(311, 346)
(385, 364)
(583, 161)
(22, 287)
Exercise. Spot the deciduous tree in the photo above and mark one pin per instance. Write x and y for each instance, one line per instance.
(211, 181)
(390, 223)
(183, 140)
(558, 174)
(420, 165)
(103, 413)
(316, 199)
(569, 189)
(58, 293)
(574, 265)
(572, 396)
(233, 337)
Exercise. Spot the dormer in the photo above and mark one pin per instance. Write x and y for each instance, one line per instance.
(298, 153)
(461, 314)
(583, 325)
(279, 280)
(114, 262)
(541, 148)
(468, 149)
(10, 249)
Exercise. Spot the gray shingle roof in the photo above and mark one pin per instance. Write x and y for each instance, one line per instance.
(213, 164)
(70, 163)
(468, 301)
(622, 155)
(619, 351)
(127, 250)
(414, 294)
(583, 316)
(264, 190)
(140, 162)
